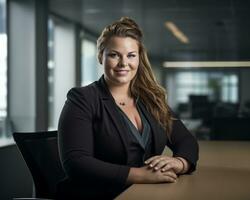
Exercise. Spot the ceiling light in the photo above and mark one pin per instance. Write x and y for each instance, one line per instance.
(198, 64)
(177, 32)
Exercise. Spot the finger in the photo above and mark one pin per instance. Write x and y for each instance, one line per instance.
(169, 179)
(160, 164)
(159, 159)
(170, 174)
(150, 159)
(167, 167)
(155, 162)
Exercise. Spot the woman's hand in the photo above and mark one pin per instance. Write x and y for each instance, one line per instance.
(152, 176)
(165, 163)
(147, 175)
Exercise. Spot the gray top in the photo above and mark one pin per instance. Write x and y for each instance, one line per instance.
(139, 143)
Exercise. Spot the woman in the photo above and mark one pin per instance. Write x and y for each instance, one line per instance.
(112, 132)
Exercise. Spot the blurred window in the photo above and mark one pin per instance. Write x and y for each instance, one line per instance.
(61, 66)
(51, 66)
(3, 72)
(90, 67)
(217, 85)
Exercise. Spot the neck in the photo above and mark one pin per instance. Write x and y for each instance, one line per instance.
(119, 91)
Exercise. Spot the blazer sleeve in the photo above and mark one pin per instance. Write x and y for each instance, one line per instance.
(76, 144)
(183, 144)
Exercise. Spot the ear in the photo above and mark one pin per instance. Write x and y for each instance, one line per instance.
(100, 58)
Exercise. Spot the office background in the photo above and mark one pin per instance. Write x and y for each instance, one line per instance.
(199, 51)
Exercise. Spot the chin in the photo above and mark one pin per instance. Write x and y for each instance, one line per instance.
(121, 80)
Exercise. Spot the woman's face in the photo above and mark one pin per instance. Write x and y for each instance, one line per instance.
(120, 60)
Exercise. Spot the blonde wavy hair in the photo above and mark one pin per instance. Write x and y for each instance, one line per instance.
(144, 84)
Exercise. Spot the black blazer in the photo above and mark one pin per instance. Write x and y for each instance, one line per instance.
(93, 142)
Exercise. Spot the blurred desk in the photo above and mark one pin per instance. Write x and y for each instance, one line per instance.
(223, 173)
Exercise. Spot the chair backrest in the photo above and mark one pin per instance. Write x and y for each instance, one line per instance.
(40, 152)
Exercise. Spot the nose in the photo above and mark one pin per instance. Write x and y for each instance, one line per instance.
(123, 62)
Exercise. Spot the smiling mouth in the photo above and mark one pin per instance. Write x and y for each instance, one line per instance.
(121, 72)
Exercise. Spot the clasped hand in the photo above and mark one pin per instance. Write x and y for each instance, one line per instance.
(165, 166)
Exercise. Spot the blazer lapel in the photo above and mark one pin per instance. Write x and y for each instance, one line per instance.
(111, 109)
(158, 133)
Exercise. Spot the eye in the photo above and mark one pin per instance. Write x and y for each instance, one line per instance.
(131, 56)
(113, 55)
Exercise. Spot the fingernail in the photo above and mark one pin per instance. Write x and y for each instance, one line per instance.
(156, 168)
(163, 170)
(151, 165)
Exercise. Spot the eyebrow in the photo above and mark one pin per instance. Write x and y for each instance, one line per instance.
(119, 52)
(133, 52)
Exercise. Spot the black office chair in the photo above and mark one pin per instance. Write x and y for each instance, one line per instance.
(40, 152)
